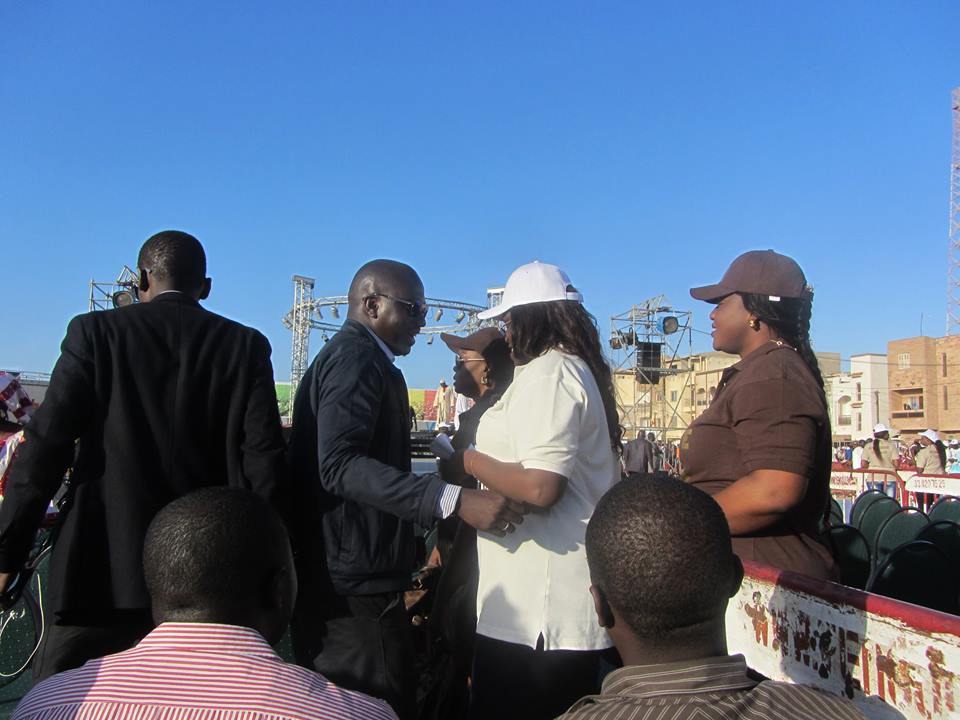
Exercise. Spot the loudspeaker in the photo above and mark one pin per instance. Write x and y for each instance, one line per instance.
(648, 363)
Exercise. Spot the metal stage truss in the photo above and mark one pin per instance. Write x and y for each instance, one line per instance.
(647, 342)
(308, 311)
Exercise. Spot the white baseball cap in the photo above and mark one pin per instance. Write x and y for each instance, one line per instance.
(880, 428)
(931, 435)
(532, 283)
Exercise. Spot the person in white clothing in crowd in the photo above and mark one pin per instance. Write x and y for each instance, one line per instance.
(856, 457)
(551, 442)
(953, 456)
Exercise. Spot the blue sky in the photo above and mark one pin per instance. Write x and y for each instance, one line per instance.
(639, 146)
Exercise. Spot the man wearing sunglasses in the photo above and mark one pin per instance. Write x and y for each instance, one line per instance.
(357, 500)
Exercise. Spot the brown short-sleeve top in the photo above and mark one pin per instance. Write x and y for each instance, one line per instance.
(882, 460)
(768, 414)
(928, 461)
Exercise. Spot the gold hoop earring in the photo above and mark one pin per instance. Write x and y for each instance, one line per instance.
(754, 324)
(485, 379)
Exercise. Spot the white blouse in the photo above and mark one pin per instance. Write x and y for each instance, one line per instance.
(535, 580)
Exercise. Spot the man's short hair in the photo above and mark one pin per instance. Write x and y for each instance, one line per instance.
(211, 548)
(659, 551)
(174, 255)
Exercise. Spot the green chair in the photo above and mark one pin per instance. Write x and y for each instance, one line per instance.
(945, 534)
(901, 527)
(946, 508)
(920, 573)
(852, 554)
(860, 505)
(873, 519)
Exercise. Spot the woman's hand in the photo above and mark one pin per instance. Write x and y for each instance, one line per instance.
(760, 499)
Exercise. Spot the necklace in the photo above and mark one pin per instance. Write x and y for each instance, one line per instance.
(781, 343)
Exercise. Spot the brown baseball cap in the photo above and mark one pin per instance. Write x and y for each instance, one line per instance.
(758, 272)
(478, 341)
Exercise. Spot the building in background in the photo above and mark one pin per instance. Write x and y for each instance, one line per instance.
(669, 407)
(858, 399)
(923, 375)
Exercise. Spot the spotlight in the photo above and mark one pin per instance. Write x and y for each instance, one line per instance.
(438, 314)
(615, 343)
(669, 325)
(430, 339)
(335, 311)
(460, 316)
(122, 298)
(323, 336)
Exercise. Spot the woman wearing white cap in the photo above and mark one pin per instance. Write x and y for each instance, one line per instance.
(930, 460)
(550, 442)
(880, 455)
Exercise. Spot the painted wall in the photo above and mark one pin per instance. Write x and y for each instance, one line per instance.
(891, 658)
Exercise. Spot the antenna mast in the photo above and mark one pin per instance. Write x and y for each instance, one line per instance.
(953, 263)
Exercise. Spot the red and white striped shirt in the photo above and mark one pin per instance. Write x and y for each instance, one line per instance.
(196, 671)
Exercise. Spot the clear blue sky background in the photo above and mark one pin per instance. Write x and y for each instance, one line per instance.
(639, 146)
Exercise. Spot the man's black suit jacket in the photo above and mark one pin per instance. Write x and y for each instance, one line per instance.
(161, 398)
(356, 499)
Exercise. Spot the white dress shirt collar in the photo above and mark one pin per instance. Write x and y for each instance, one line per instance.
(383, 346)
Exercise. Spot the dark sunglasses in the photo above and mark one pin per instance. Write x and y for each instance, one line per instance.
(413, 308)
(460, 362)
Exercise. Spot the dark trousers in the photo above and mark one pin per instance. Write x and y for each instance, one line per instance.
(70, 640)
(362, 643)
(516, 681)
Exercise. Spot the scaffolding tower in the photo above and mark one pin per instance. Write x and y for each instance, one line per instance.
(953, 267)
(307, 314)
(107, 295)
(646, 343)
(300, 325)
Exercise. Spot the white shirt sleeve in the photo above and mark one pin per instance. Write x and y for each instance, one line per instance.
(544, 418)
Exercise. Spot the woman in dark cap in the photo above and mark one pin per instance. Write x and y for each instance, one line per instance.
(762, 448)
(482, 371)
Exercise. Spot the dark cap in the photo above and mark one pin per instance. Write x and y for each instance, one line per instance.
(758, 272)
(478, 341)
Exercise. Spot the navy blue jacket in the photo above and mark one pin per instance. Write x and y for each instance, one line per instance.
(356, 500)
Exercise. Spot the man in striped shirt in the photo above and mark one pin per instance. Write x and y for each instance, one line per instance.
(663, 570)
(220, 574)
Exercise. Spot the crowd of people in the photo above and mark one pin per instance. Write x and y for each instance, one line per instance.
(580, 578)
(927, 454)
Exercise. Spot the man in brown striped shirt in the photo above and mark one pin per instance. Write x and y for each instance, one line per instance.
(663, 569)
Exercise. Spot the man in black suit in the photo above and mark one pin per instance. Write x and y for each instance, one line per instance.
(358, 501)
(148, 402)
(639, 455)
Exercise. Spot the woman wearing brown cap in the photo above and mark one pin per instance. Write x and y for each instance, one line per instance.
(762, 447)
(482, 372)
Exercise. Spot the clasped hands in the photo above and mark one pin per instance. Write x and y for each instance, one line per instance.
(490, 511)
